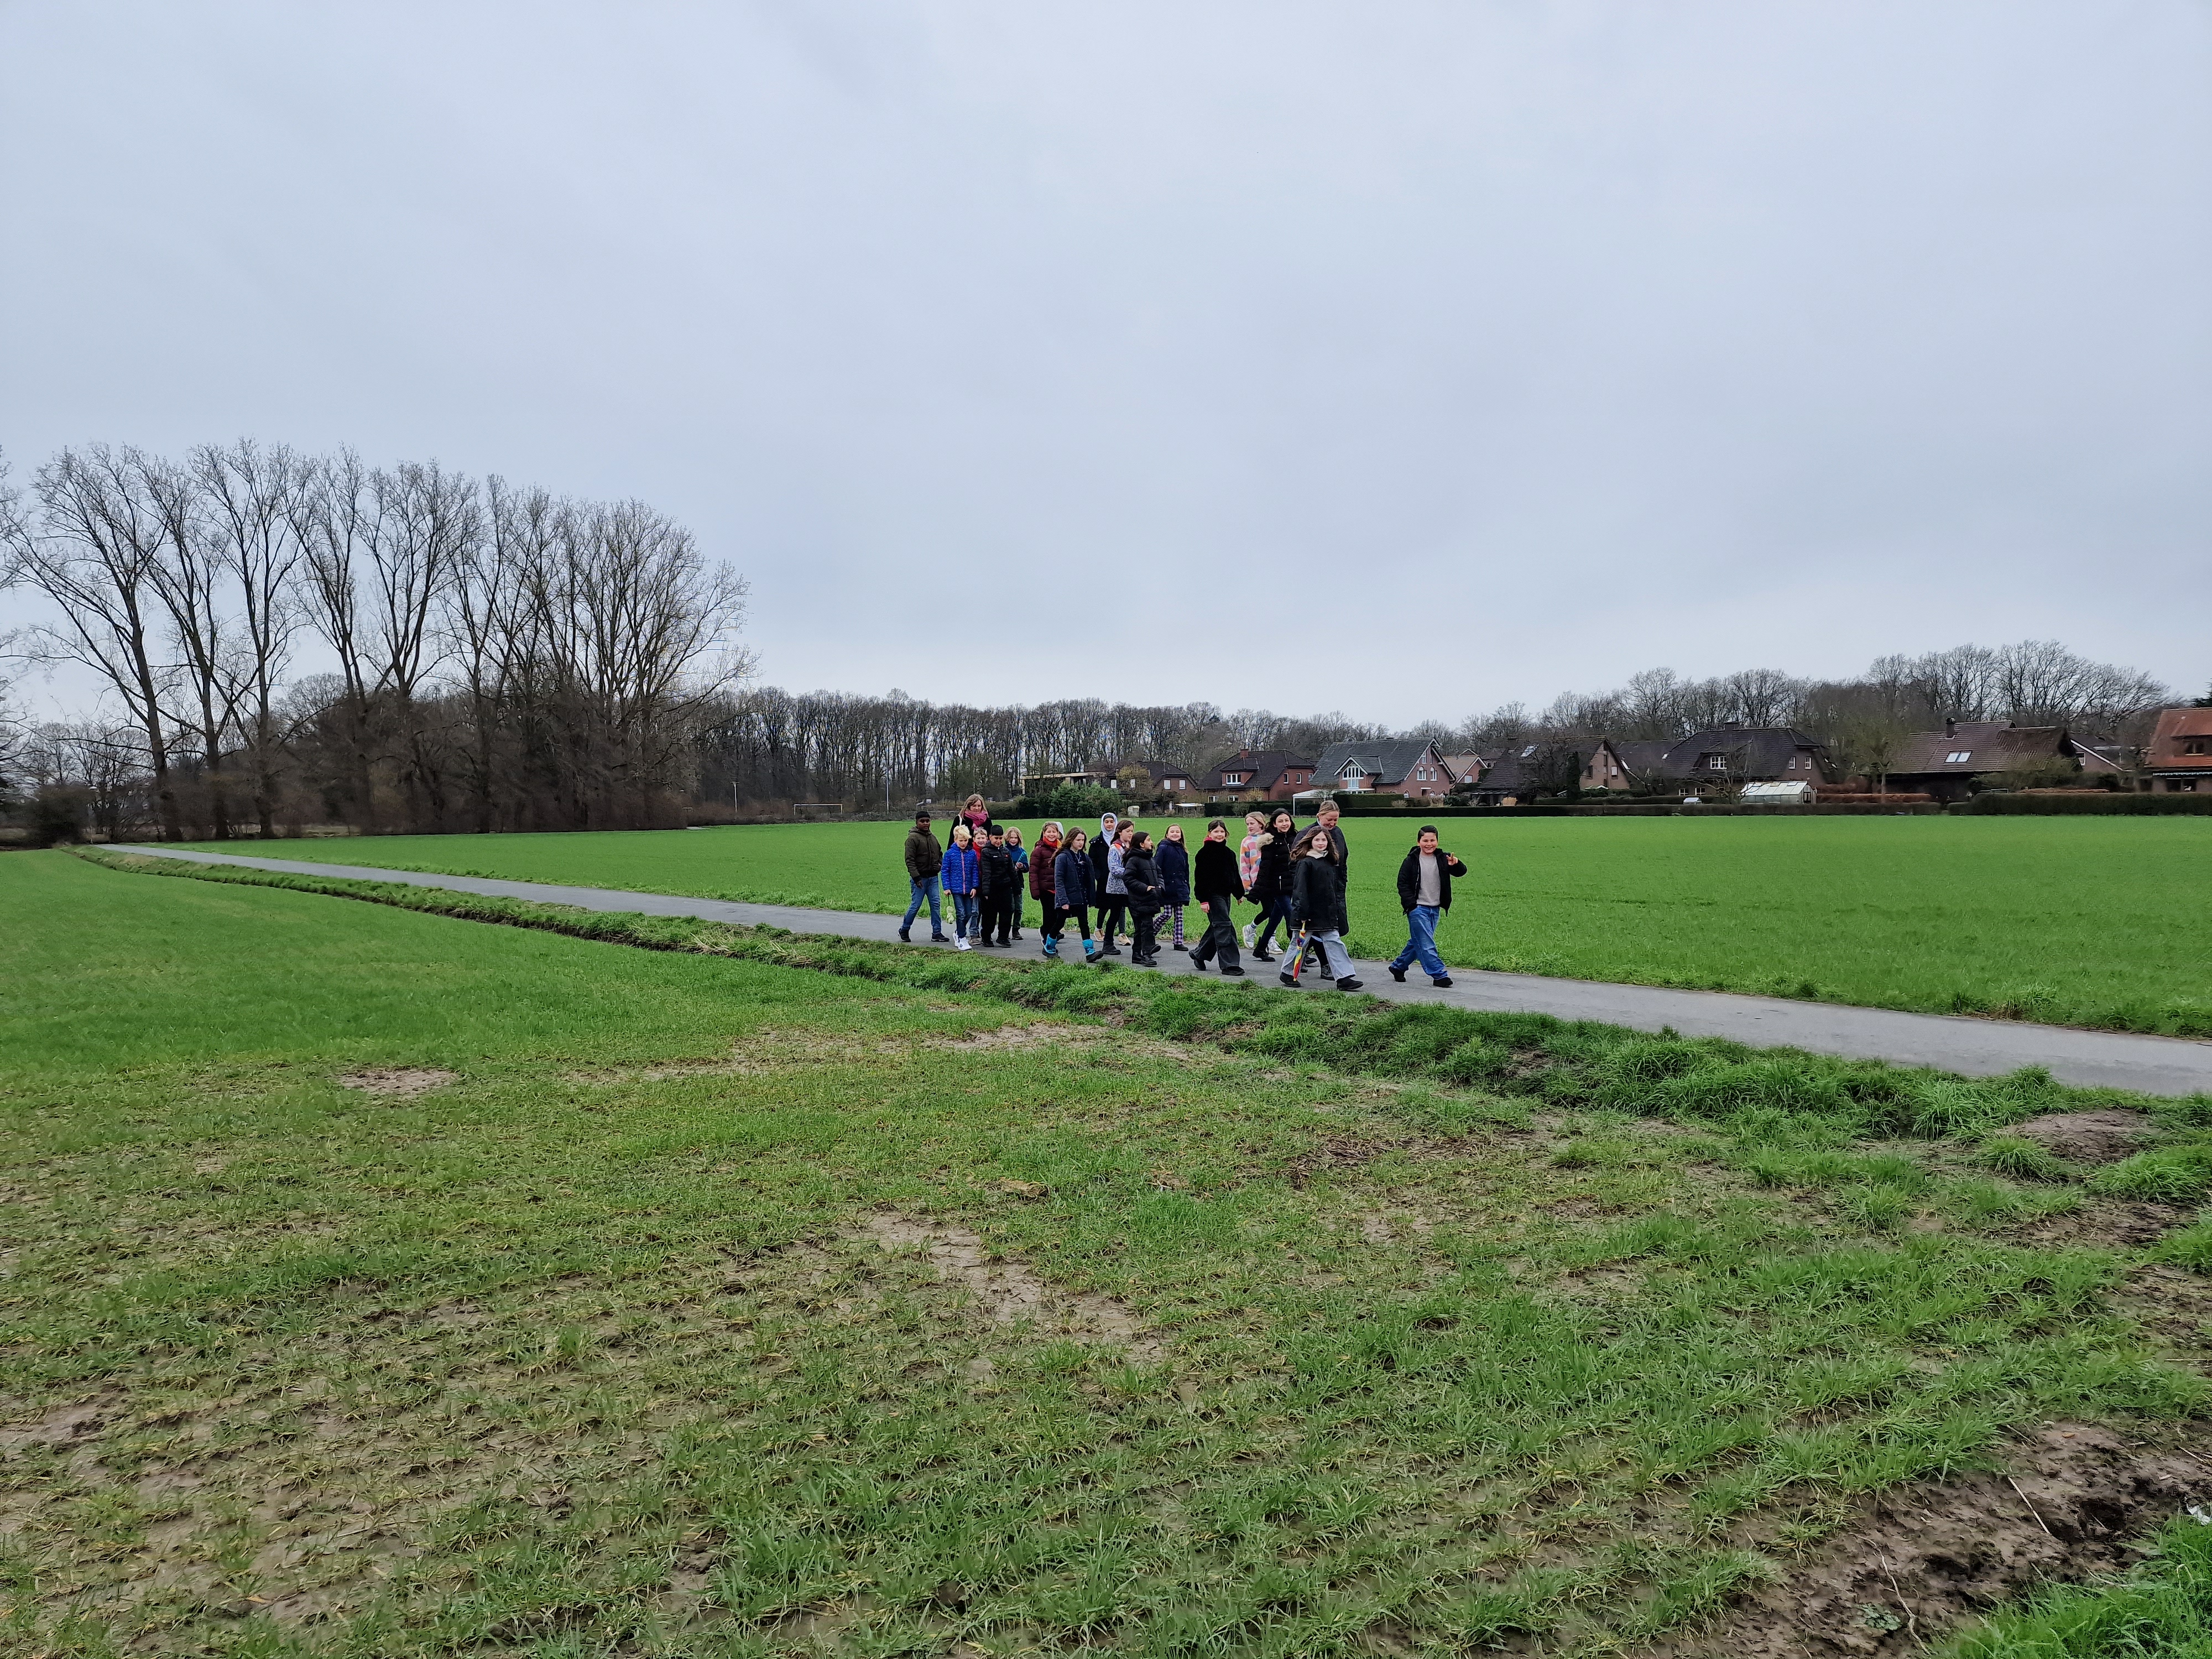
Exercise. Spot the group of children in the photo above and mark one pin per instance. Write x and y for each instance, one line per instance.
(1295, 877)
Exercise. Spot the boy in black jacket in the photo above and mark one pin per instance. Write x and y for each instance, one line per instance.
(1141, 876)
(1214, 883)
(995, 881)
(1425, 882)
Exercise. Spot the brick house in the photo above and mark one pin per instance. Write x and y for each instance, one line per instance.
(1737, 753)
(1617, 764)
(2179, 758)
(1259, 774)
(1945, 763)
(1414, 768)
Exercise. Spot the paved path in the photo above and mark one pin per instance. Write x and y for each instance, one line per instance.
(1979, 1048)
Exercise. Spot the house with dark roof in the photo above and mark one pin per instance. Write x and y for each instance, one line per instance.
(1737, 753)
(1945, 763)
(2179, 760)
(1506, 778)
(1259, 774)
(1412, 767)
(1617, 763)
(1141, 779)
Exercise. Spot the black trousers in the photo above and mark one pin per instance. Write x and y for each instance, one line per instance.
(1220, 938)
(1056, 920)
(1144, 934)
(1113, 913)
(999, 916)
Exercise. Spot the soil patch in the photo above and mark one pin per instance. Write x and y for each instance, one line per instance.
(1924, 1559)
(1335, 1153)
(2088, 1137)
(403, 1081)
(1011, 1292)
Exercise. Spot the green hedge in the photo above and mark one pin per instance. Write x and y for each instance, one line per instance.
(2057, 805)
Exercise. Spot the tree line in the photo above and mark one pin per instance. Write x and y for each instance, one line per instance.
(497, 657)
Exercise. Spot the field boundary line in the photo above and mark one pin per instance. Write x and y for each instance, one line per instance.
(2140, 1063)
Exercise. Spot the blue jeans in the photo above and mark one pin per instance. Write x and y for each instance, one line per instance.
(1421, 924)
(924, 890)
(964, 914)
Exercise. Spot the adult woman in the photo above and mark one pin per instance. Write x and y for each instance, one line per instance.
(1271, 889)
(1213, 882)
(1174, 860)
(1071, 885)
(962, 875)
(1318, 893)
(975, 813)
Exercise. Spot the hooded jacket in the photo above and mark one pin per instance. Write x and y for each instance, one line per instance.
(1071, 879)
(1140, 874)
(1274, 877)
(961, 869)
(1174, 860)
(1318, 894)
(1040, 865)
(994, 870)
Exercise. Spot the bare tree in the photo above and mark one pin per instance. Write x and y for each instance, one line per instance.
(190, 579)
(333, 516)
(1763, 696)
(248, 496)
(97, 559)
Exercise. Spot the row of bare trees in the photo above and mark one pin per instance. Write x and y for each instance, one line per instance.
(500, 657)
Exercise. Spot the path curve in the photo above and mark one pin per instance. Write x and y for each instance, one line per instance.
(1977, 1048)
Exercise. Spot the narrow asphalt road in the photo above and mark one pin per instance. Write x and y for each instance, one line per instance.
(1977, 1048)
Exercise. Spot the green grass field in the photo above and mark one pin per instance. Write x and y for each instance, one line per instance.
(898, 1303)
(2088, 921)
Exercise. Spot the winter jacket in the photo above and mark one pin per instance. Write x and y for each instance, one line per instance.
(1140, 875)
(1247, 857)
(1274, 879)
(994, 871)
(1409, 878)
(1041, 867)
(1214, 873)
(1071, 880)
(1099, 849)
(1318, 895)
(1174, 860)
(924, 857)
(961, 869)
(1115, 886)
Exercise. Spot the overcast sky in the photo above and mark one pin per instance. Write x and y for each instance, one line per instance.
(1401, 358)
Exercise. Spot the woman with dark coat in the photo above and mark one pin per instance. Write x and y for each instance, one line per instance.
(1071, 897)
(1214, 883)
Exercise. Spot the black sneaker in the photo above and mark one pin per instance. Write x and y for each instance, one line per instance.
(1259, 955)
(905, 937)
(1348, 983)
(1111, 951)
(1289, 984)
(1397, 973)
(1232, 972)
(1442, 982)
(1198, 964)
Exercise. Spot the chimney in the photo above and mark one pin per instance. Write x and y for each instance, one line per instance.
(1950, 726)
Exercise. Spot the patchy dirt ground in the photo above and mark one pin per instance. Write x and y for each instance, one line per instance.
(1009, 1292)
(1924, 1559)
(404, 1082)
(2088, 1137)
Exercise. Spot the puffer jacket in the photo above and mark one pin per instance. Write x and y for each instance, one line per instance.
(1274, 879)
(1071, 880)
(924, 857)
(996, 869)
(1041, 867)
(1174, 860)
(961, 868)
(1141, 876)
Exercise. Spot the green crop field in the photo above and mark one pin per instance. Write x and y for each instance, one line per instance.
(374, 1282)
(2088, 922)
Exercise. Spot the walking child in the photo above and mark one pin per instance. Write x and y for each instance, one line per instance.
(1174, 860)
(1272, 890)
(1425, 882)
(1020, 854)
(1048, 853)
(962, 875)
(995, 887)
(1071, 883)
(924, 860)
(1140, 875)
(1213, 882)
(1318, 896)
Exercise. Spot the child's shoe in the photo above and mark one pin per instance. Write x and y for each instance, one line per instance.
(1091, 949)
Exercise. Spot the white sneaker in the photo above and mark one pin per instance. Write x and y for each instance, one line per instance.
(1247, 935)
(961, 944)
